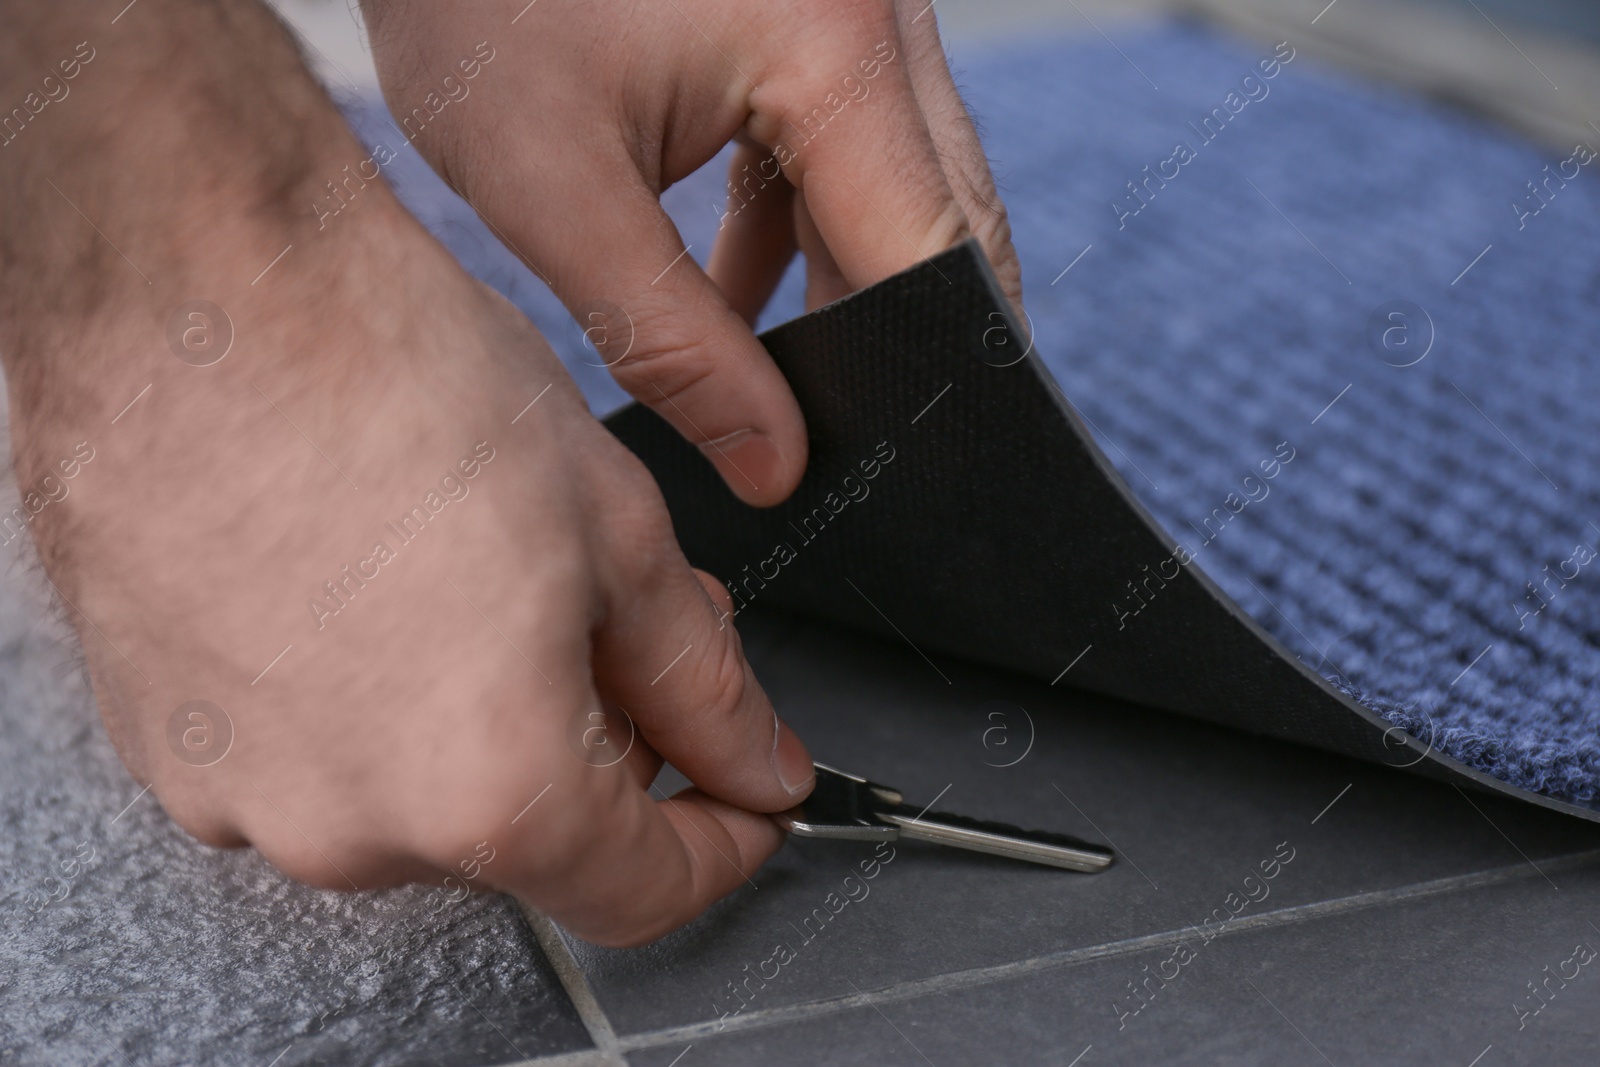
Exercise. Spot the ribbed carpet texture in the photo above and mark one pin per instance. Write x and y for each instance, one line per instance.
(1233, 256)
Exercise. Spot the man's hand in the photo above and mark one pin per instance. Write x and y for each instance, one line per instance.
(562, 122)
(358, 578)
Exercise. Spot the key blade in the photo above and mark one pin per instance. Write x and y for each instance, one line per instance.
(1000, 839)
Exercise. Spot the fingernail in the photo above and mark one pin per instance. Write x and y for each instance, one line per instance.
(790, 761)
(748, 459)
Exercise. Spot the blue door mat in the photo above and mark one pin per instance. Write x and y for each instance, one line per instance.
(1333, 340)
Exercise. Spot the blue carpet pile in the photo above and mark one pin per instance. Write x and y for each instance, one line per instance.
(1233, 256)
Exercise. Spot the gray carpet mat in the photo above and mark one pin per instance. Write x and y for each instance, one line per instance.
(127, 942)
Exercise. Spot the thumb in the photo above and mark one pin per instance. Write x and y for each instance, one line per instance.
(671, 340)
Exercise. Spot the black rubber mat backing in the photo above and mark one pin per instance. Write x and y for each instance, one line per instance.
(955, 500)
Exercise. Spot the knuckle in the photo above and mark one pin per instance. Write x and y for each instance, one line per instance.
(669, 357)
(946, 228)
(550, 848)
(723, 681)
(462, 847)
(508, 812)
(328, 849)
(992, 228)
(650, 562)
(199, 817)
(558, 835)
(296, 857)
(988, 218)
(651, 523)
(843, 37)
(637, 488)
(630, 508)
(721, 598)
(644, 563)
(994, 234)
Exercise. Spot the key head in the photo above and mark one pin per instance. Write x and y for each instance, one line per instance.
(846, 807)
(842, 806)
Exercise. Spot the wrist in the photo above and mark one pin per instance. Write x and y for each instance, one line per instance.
(118, 211)
(121, 220)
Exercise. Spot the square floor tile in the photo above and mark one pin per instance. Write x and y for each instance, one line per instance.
(1192, 810)
(1493, 974)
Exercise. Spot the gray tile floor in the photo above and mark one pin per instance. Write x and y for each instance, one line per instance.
(1403, 920)
(1413, 923)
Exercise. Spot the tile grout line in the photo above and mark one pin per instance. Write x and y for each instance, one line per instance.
(584, 1057)
(976, 977)
(607, 1050)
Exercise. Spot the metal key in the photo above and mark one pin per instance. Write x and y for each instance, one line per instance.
(846, 807)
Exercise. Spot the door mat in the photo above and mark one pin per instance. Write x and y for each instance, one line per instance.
(955, 501)
(1335, 337)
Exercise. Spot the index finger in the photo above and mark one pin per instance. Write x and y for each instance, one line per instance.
(847, 130)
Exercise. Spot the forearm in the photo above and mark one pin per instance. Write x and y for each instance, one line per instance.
(181, 162)
(234, 506)
(144, 164)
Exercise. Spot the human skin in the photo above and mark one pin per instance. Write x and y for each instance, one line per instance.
(565, 141)
(424, 718)
(444, 705)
